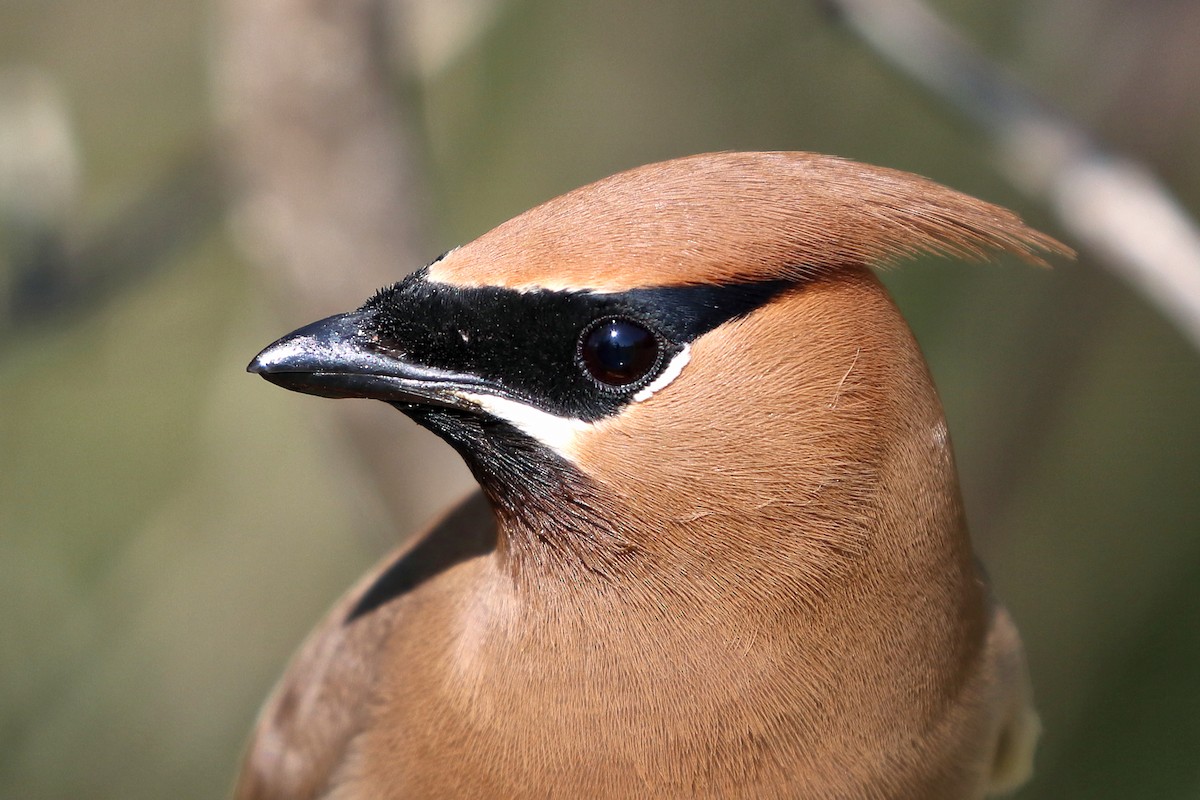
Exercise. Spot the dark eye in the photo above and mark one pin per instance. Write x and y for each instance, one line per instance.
(618, 352)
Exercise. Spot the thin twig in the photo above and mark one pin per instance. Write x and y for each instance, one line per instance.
(1110, 204)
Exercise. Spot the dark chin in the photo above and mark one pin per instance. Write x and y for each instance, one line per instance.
(510, 466)
(549, 513)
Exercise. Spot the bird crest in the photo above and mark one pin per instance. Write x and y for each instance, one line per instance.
(724, 218)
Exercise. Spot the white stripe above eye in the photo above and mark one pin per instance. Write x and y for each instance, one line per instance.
(548, 284)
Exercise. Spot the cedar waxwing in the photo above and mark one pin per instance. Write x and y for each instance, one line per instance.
(720, 549)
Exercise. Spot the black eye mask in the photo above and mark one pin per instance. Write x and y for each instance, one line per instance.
(573, 354)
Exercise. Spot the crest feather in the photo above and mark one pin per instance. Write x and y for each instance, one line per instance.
(734, 218)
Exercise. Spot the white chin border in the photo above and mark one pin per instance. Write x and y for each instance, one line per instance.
(557, 433)
(560, 433)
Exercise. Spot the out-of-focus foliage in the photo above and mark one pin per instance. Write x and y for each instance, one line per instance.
(170, 527)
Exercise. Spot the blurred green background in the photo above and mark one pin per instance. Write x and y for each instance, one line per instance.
(170, 526)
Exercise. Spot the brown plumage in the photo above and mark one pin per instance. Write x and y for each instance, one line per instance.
(744, 571)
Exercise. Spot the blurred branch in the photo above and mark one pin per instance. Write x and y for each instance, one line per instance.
(57, 274)
(39, 189)
(438, 32)
(1110, 204)
(55, 269)
(321, 160)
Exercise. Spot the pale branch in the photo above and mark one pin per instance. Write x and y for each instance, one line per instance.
(321, 156)
(1109, 204)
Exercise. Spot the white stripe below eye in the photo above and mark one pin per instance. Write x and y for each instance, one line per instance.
(669, 374)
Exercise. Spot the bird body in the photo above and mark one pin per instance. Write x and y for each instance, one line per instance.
(720, 548)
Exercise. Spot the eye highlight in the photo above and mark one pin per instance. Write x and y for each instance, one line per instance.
(617, 352)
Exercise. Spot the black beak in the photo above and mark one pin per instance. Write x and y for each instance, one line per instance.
(337, 357)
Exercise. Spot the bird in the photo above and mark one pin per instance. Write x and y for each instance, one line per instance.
(719, 547)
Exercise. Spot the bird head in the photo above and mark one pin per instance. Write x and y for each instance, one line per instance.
(685, 364)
